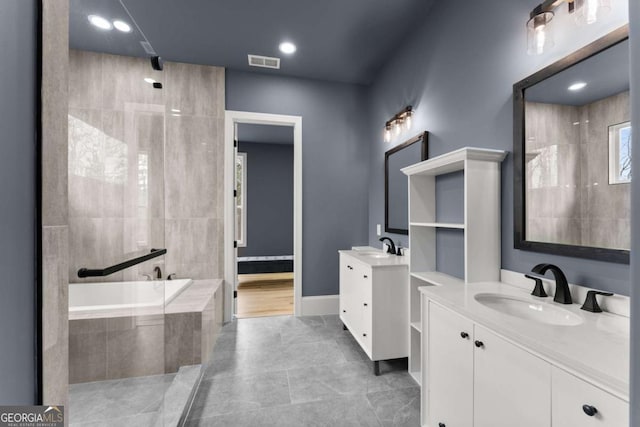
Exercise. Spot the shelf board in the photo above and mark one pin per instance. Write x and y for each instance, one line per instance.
(437, 278)
(454, 161)
(417, 326)
(416, 376)
(438, 225)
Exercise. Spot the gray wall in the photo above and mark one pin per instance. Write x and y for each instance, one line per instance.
(17, 216)
(269, 199)
(634, 14)
(460, 84)
(335, 151)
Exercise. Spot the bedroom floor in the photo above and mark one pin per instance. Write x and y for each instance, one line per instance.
(268, 294)
(300, 371)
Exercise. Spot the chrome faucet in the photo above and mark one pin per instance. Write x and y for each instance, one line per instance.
(563, 294)
(392, 247)
(158, 272)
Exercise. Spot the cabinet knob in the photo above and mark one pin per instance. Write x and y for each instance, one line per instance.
(365, 276)
(344, 311)
(364, 335)
(479, 344)
(589, 410)
(441, 425)
(365, 304)
(464, 335)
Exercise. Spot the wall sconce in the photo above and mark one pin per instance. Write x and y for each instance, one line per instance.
(540, 28)
(401, 121)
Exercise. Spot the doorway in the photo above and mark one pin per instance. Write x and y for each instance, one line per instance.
(264, 220)
(263, 271)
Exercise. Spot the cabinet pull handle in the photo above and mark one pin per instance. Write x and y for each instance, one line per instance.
(464, 335)
(589, 410)
(479, 344)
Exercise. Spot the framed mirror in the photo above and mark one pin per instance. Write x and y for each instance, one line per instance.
(396, 193)
(572, 154)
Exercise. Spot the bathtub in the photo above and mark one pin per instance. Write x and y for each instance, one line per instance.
(105, 299)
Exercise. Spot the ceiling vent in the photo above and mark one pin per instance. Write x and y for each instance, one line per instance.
(264, 62)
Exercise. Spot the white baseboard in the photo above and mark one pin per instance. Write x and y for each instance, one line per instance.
(320, 305)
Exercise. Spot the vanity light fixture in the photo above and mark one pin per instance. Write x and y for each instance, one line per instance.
(540, 27)
(399, 122)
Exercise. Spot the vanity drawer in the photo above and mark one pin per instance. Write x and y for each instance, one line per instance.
(569, 394)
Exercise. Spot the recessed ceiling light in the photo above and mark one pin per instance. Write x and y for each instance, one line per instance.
(149, 80)
(287, 47)
(577, 86)
(122, 26)
(100, 22)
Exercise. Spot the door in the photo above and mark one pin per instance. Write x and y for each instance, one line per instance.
(511, 386)
(450, 369)
(571, 394)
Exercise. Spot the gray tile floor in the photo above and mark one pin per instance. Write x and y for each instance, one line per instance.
(300, 371)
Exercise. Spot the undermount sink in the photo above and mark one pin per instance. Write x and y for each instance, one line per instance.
(529, 310)
(374, 254)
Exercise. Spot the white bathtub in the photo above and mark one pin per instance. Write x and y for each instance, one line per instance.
(104, 298)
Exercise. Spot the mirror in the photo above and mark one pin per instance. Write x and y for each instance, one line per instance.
(572, 154)
(396, 193)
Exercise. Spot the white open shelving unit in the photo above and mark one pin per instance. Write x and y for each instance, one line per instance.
(481, 228)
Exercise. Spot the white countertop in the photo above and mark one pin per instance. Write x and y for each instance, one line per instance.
(390, 261)
(596, 350)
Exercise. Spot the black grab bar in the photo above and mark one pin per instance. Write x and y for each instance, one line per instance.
(87, 272)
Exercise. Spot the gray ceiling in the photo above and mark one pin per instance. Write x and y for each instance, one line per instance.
(606, 74)
(337, 40)
(265, 134)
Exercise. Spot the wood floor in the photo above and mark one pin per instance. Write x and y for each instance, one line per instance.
(269, 294)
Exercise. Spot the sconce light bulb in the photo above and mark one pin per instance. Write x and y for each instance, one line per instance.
(387, 134)
(589, 11)
(539, 33)
(397, 126)
(407, 122)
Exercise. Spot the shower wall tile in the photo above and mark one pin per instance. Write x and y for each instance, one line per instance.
(190, 178)
(55, 255)
(196, 90)
(87, 350)
(123, 83)
(85, 79)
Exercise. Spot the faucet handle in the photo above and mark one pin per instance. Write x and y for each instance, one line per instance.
(591, 303)
(171, 276)
(538, 291)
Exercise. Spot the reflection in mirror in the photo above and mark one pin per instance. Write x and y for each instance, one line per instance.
(577, 154)
(396, 201)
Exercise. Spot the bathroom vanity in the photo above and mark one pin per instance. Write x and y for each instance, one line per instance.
(509, 359)
(374, 302)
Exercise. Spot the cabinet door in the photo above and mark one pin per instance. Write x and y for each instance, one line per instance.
(570, 394)
(511, 386)
(348, 294)
(450, 369)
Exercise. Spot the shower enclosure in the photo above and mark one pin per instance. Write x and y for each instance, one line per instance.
(141, 319)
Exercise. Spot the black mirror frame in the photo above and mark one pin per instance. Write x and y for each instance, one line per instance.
(519, 238)
(424, 154)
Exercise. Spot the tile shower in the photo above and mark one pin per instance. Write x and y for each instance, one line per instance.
(144, 166)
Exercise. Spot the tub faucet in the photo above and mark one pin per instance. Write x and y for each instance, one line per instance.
(563, 294)
(158, 272)
(392, 247)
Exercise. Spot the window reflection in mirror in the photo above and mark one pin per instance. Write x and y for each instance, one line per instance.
(578, 154)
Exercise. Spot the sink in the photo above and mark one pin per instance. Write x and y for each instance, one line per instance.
(529, 310)
(374, 254)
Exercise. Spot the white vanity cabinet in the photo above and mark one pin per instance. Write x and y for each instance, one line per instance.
(574, 401)
(476, 378)
(374, 304)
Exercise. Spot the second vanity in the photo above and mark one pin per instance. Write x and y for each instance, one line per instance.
(494, 356)
(374, 302)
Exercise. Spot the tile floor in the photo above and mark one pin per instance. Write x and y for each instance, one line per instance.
(305, 371)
